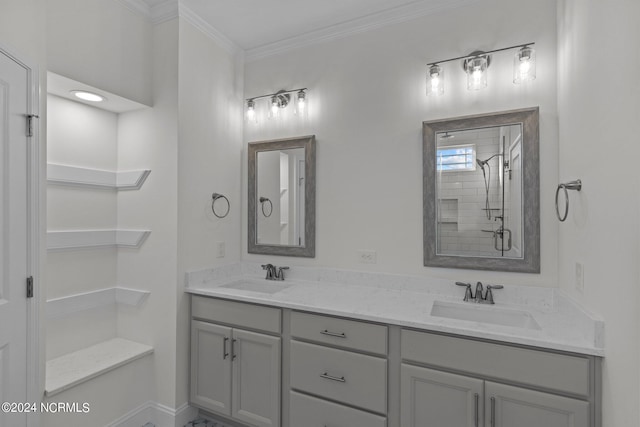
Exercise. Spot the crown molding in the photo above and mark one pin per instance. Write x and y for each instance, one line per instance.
(356, 26)
(222, 40)
(137, 6)
(164, 12)
(156, 14)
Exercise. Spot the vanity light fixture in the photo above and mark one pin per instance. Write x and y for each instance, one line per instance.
(435, 80)
(476, 69)
(524, 65)
(252, 117)
(476, 64)
(88, 96)
(277, 102)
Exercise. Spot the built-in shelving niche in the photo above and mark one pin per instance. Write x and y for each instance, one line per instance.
(95, 178)
(76, 367)
(85, 239)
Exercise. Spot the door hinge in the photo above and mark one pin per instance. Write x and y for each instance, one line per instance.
(30, 287)
(30, 118)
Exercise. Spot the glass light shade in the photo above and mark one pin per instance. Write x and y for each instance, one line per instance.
(251, 114)
(524, 65)
(435, 81)
(302, 104)
(274, 108)
(476, 69)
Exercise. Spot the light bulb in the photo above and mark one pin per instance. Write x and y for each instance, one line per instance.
(274, 111)
(251, 111)
(476, 69)
(88, 96)
(301, 106)
(435, 81)
(524, 65)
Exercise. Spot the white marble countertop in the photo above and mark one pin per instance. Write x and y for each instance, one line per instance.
(408, 301)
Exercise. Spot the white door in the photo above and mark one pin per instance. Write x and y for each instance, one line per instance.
(211, 366)
(509, 406)
(439, 399)
(14, 95)
(514, 222)
(256, 378)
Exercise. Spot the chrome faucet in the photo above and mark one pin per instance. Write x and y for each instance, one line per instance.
(280, 273)
(273, 272)
(479, 298)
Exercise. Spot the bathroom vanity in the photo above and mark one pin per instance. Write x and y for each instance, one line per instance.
(290, 357)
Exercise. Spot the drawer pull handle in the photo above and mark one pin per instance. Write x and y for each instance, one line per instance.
(225, 354)
(476, 397)
(333, 334)
(332, 378)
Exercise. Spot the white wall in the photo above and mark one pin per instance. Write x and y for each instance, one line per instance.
(148, 139)
(599, 144)
(82, 136)
(101, 43)
(209, 160)
(367, 105)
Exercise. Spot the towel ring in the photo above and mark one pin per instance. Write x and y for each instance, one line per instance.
(572, 185)
(216, 196)
(264, 200)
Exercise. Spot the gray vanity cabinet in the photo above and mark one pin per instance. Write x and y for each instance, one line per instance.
(508, 406)
(435, 398)
(495, 385)
(236, 372)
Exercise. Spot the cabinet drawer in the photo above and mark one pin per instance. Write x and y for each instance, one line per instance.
(236, 313)
(307, 411)
(340, 375)
(340, 332)
(561, 372)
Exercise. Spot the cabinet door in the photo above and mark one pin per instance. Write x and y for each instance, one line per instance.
(509, 406)
(256, 378)
(211, 366)
(436, 399)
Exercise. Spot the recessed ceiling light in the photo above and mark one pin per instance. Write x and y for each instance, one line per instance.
(88, 96)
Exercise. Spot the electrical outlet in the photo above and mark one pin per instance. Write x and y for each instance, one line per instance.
(221, 250)
(367, 257)
(579, 277)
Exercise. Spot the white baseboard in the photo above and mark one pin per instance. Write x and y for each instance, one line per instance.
(157, 414)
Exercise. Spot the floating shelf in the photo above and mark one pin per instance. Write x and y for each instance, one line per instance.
(80, 239)
(95, 178)
(63, 306)
(75, 368)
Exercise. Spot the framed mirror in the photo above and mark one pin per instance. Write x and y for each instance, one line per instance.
(481, 189)
(282, 197)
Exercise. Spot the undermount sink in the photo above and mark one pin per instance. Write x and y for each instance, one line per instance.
(484, 314)
(262, 286)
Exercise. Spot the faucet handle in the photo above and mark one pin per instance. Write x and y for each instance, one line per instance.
(280, 275)
(467, 293)
(489, 297)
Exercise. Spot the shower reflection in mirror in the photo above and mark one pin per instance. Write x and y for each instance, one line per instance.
(479, 187)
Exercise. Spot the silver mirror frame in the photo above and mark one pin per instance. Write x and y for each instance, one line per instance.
(529, 118)
(309, 145)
